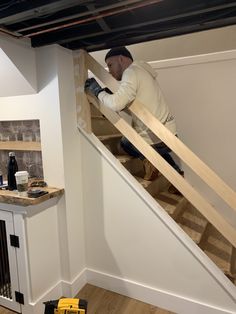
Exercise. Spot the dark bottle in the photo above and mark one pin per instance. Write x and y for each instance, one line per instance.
(12, 168)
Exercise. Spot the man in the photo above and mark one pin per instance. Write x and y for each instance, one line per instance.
(137, 81)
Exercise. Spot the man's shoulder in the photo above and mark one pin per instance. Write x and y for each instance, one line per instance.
(133, 69)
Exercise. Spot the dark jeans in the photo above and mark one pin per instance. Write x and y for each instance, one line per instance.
(161, 148)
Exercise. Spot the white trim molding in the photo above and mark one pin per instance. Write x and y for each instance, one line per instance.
(159, 298)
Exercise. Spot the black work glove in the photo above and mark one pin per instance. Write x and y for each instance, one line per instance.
(92, 86)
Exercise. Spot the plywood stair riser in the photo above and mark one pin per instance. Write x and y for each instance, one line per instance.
(112, 142)
(101, 126)
(94, 111)
(215, 246)
(135, 167)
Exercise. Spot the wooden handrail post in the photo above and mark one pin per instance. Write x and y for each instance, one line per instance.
(82, 104)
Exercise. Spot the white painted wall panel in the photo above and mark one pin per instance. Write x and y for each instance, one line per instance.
(22, 70)
(125, 238)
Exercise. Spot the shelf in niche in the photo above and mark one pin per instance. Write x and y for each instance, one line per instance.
(20, 145)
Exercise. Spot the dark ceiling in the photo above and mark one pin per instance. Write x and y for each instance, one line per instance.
(95, 25)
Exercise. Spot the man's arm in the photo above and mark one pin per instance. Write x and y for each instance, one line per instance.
(125, 94)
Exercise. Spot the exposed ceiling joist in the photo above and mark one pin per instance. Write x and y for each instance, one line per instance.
(92, 25)
(40, 11)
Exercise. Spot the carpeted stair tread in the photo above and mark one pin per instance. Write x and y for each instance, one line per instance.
(222, 245)
(144, 183)
(107, 137)
(168, 201)
(193, 234)
(193, 223)
(220, 251)
(124, 158)
(221, 263)
(194, 220)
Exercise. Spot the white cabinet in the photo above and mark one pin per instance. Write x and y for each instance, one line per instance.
(30, 265)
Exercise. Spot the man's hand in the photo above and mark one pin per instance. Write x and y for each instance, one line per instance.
(92, 86)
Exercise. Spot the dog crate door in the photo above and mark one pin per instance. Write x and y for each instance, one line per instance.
(9, 285)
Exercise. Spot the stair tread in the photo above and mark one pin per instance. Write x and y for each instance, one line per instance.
(109, 136)
(193, 223)
(226, 247)
(168, 201)
(145, 183)
(219, 250)
(124, 158)
(195, 219)
(193, 234)
(221, 263)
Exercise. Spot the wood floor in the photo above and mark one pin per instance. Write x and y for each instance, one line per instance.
(102, 301)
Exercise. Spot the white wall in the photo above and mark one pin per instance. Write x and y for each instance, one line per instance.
(201, 93)
(126, 240)
(215, 40)
(18, 72)
(72, 165)
(54, 106)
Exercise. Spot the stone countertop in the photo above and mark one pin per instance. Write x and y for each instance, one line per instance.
(13, 198)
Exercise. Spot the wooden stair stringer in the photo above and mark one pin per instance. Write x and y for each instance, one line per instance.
(102, 126)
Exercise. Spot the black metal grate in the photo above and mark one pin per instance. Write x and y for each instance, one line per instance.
(5, 279)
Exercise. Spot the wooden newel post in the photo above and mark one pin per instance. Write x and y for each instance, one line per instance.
(82, 104)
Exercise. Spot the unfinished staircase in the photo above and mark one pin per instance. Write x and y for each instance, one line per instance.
(192, 222)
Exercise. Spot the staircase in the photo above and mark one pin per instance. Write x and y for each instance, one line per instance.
(194, 224)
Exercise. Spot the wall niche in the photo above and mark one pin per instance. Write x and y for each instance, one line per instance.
(23, 138)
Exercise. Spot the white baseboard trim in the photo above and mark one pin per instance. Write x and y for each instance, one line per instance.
(37, 307)
(62, 288)
(151, 295)
(70, 289)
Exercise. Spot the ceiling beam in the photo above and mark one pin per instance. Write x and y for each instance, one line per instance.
(67, 37)
(46, 9)
(129, 39)
(75, 16)
(101, 22)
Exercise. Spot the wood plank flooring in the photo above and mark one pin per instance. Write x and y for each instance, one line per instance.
(6, 311)
(101, 301)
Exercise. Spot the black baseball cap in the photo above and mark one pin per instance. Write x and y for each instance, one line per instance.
(119, 51)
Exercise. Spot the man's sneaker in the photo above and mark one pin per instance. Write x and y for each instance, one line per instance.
(151, 173)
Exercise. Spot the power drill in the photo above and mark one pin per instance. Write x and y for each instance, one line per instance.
(66, 306)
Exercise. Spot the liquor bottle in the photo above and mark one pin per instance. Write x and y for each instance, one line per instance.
(1, 178)
(12, 168)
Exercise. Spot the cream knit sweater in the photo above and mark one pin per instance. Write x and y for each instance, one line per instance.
(139, 82)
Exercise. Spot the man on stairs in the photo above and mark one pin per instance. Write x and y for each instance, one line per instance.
(138, 80)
